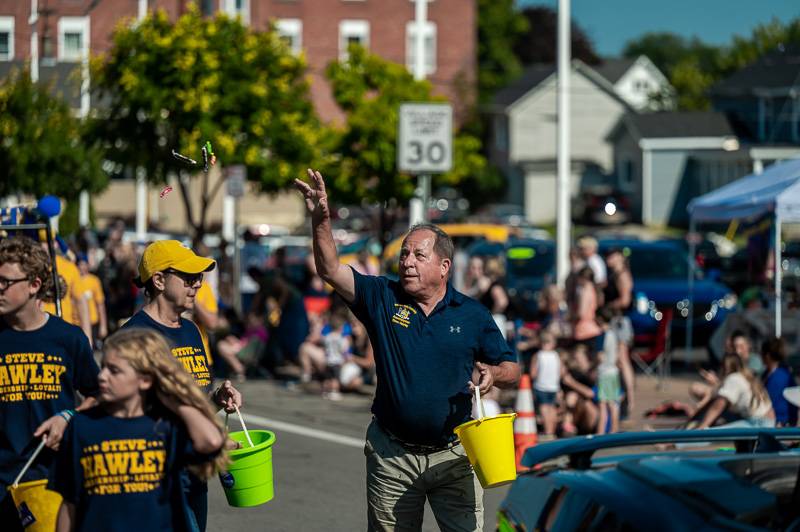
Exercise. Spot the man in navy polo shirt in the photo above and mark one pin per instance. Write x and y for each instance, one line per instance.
(432, 346)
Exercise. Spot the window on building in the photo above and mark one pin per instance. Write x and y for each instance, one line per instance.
(500, 133)
(237, 8)
(291, 31)
(641, 85)
(73, 38)
(626, 171)
(207, 7)
(6, 38)
(429, 35)
(352, 32)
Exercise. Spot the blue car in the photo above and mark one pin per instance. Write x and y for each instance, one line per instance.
(752, 484)
(660, 272)
(530, 265)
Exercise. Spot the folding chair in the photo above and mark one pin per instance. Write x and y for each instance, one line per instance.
(657, 358)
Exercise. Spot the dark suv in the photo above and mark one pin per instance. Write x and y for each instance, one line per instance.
(660, 272)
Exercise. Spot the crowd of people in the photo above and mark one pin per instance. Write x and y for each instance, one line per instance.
(153, 319)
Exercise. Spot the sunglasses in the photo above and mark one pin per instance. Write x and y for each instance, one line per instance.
(189, 279)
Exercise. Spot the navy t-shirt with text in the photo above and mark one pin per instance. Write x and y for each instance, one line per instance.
(424, 363)
(186, 344)
(40, 371)
(122, 474)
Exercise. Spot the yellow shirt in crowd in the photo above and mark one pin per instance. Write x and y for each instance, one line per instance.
(72, 276)
(205, 298)
(91, 289)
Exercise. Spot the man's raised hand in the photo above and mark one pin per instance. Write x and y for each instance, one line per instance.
(316, 197)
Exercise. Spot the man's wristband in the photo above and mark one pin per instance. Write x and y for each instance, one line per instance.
(67, 415)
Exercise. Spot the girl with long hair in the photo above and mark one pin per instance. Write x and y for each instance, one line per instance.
(121, 461)
(741, 396)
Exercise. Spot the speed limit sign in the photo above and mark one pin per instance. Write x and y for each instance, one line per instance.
(425, 139)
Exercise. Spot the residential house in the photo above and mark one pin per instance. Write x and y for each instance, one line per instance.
(524, 127)
(639, 82)
(663, 160)
(762, 102)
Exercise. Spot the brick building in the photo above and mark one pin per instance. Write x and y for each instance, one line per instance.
(321, 28)
(67, 29)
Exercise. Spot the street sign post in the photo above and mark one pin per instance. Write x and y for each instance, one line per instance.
(424, 146)
(236, 176)
(235, 179)
(425, 138)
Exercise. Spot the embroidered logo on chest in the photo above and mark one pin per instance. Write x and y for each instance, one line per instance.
(455, 329)
(403, 314)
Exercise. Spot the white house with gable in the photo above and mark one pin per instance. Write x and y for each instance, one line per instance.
(524, 127)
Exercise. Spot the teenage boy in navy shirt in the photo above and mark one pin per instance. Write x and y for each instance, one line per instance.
(43, 362)
(171, 275)
(432, 346)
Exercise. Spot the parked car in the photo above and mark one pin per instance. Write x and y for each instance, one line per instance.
(660, 272)
(714, 488)
(601, 205)
(530, 266)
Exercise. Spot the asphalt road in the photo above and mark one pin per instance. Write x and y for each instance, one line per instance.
(318, 465)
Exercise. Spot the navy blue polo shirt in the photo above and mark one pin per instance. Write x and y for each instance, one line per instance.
(424, 363)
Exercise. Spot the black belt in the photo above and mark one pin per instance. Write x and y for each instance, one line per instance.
(417, 448)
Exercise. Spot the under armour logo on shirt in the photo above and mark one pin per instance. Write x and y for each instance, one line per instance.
(454, 329)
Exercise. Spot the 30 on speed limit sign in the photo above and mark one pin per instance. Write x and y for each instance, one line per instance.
(425, 139)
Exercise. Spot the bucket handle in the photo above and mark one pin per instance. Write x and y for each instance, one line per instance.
(479, 403)
(30, 461)
(241, 420)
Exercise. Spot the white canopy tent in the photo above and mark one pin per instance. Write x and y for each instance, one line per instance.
(776, 192)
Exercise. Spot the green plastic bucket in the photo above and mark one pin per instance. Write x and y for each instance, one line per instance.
(248, 480)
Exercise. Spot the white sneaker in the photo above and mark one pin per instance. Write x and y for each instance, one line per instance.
(334, 396)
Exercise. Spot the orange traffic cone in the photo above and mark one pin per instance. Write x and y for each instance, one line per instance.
(525, 422)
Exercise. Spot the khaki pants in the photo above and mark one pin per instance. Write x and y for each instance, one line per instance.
(398, 482)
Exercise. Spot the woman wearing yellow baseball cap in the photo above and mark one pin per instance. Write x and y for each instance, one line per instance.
(171, 274)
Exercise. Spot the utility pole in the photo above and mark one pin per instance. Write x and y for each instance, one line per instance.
(141, 177)
(86, 103)
(33, 21)
(419, 213)
(563, 214)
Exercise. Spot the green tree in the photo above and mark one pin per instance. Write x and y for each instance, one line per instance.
(539, 43)
(42, 148)
(693, 66)
(500, 26)
(370, 90)
(173, 85)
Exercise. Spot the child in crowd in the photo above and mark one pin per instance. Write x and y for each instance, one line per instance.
(578, 379)
(241, 354)
(546, 375)
(360, 368)
(608, 382)
(44, 363)
(336, 342)
(121, 461)
(777, 377)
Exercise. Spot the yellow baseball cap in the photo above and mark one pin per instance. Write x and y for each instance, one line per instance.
(166, 254)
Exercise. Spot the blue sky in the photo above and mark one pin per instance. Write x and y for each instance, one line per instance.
(611, 23)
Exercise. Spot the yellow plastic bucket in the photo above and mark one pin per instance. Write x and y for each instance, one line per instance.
(489, 443)
(248, 480)
(37, 506)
